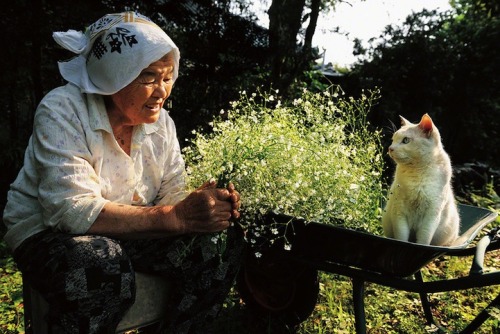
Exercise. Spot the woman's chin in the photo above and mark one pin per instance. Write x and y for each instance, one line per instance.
(152, 114)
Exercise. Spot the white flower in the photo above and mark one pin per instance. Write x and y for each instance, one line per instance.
(298, 158)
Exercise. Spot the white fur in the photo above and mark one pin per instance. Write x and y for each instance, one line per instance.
(421, 206)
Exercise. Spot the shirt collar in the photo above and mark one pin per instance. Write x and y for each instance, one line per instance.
(97, 113)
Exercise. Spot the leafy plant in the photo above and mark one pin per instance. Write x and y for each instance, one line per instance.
(11, 297)
(314, 158)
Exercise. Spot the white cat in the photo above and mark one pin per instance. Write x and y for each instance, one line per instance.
(421, 206)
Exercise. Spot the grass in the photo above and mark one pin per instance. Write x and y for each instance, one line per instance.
(11, 296)
(387, 310)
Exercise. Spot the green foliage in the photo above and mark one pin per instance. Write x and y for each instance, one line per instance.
(315, 158)
(444, 64)
(11, 294)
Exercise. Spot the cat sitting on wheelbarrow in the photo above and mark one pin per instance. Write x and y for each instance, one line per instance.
(420, 206)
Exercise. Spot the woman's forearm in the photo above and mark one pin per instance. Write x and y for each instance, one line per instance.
(136, 222)
(205, 210)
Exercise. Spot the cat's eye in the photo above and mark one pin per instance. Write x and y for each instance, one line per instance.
(405, 140)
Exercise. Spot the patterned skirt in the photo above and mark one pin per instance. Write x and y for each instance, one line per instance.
(88, 280)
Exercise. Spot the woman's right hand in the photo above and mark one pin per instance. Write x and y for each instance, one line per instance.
(207, 209)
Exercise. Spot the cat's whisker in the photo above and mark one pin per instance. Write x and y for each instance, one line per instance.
(393, 127)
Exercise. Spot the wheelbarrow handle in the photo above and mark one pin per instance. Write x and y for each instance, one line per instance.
(482, 245)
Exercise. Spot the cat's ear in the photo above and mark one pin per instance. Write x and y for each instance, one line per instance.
(426, 125)
(404, 121)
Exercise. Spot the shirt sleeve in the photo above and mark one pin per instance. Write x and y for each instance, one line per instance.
(173, 184)
(69, 190)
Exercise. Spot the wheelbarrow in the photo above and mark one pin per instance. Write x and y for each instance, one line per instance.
(285, 283)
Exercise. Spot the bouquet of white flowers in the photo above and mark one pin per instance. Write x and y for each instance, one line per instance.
(315, 157)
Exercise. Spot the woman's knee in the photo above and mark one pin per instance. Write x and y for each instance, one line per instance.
(85, 279)
(98, 264)
(89, 251)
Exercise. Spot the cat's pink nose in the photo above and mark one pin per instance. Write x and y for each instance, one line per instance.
(390, 149)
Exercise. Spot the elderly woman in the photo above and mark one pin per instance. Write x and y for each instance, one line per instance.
(102, 192)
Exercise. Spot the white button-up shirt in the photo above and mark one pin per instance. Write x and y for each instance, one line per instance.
(73, 166)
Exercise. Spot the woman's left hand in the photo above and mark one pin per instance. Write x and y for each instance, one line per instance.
(235, 200)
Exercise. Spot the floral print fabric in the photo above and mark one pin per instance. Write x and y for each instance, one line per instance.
(73, 166)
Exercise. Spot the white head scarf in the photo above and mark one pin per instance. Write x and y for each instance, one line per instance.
(113, 51)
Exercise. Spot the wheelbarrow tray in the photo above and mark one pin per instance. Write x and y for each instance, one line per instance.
(329, 243)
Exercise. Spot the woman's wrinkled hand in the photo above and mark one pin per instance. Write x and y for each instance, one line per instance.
(235, 201)
(208, 209)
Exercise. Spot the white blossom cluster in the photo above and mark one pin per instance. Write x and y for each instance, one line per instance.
(315, 158)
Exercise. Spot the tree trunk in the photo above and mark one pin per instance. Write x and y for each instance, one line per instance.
(285, 20)
(313, 22)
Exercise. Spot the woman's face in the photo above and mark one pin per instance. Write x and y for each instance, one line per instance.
(141, 101)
